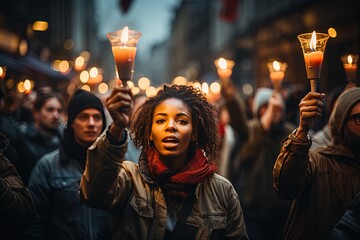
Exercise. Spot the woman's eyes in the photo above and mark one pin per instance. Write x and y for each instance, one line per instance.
(181, 121)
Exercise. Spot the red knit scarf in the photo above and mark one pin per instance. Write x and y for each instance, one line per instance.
(179, 184)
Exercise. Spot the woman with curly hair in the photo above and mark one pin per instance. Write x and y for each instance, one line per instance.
(173, 192)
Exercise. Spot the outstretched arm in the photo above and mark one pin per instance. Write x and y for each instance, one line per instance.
(104, 183)
(236, 107)
(292, 170)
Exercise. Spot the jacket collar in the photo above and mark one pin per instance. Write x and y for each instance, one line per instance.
(340, 153)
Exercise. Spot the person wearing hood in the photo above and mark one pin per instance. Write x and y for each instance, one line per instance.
(54, 182)
(259, 142)
(321, 182)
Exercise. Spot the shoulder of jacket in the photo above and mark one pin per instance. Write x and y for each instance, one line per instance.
(131, 166)
(50, 157)
(217, 180)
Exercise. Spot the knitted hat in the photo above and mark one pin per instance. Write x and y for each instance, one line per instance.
(345, 102)
(84, 100)
(261, 98)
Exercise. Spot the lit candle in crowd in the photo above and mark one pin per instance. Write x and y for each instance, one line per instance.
(277, 73)
(313, 46)
(313, 60)
(350, 67)
(124, 56)
(223, 71)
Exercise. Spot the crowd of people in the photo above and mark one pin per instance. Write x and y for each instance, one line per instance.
(177, 166)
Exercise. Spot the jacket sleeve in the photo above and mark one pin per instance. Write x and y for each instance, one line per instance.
(16, 203)
(235, 228)
(292, 168)
(105, 183)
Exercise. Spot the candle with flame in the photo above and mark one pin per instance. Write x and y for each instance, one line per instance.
(123, 45)
(224, 68)
(277, 73)
(350, 66)
(313, 47)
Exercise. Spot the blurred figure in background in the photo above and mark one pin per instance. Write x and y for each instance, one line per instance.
(9, 105)
(227, 139)
(54, 182)
(44, 133)
(17, 209)
(24, 113)
(19, 150)
(321, 182)
(259, 142)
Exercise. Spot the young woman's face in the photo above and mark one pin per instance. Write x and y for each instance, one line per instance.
(172, 129)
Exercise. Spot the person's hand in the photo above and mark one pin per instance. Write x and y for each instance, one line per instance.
(119, 105)
(274, 111)
(310, 106)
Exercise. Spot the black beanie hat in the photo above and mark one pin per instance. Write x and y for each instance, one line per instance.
(344, 104)
(83, 100)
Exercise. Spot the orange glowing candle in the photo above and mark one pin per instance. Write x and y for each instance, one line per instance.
(124, 57)
(224, 69)
(123, 46)
(313, 46)
(277, 73)
(350, 66)
(313, 61)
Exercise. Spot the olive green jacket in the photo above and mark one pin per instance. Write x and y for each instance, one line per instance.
(138, 203)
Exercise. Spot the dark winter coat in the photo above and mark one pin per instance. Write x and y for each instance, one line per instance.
(17, 209)
(54, 185)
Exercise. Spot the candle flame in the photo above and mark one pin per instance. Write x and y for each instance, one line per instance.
(125, 35)
(222, 63)
(350, 59)
(276, 66)
(313, 41)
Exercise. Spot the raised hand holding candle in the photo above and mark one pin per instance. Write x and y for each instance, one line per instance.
(123, 45)
(350, 66)
(277, 73)
(313, 47)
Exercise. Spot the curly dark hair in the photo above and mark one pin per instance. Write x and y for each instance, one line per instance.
(204, 118)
